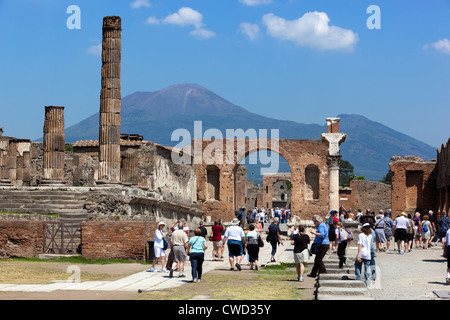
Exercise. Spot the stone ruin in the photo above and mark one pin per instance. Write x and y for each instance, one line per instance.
(122, 177)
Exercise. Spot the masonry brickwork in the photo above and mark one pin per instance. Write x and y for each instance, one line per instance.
(20, 238)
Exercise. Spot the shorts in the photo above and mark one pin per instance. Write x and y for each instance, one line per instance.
(301, 257)
(179, 253)
(401, 235)
(217, 244)
(159, 252)
(235, 249)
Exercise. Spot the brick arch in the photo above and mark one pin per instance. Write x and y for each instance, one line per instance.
(298, 154)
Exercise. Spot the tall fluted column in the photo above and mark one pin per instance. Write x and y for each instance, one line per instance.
(110, 103)
(54, 145)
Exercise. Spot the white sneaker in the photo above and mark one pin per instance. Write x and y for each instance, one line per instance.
(151, 270)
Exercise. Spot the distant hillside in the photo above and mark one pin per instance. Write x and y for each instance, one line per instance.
(155, 115)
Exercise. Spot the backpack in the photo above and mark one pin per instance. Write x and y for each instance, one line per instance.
(345, 235)
(424, 227)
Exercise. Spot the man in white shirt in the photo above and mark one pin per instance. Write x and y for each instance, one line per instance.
(236, 243)
(399, 227)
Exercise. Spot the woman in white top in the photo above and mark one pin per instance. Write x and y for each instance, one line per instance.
(159, 247)
(364, 255)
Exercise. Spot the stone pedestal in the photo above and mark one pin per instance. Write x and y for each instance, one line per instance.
(54, 146)
(110, 103)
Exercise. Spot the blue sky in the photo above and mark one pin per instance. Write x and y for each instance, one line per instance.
(300, 60)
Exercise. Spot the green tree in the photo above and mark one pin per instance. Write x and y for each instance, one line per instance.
(387, 178)
(345, 172)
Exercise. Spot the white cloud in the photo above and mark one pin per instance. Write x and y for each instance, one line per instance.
(140, 3)
(152, 20)
(251, 30)
(255, 2)
(201, 33)
(311, 30)
(186, 17)
(95, 50)
(441, 46)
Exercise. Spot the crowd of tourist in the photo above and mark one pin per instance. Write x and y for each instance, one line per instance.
(244, 235)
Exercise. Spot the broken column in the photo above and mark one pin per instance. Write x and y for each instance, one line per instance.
(333, 139)
(4, 160)
(110, 103)
(54, 146)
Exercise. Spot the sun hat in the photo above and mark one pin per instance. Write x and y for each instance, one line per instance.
(161, 223)
(366, 225)
(235, 222)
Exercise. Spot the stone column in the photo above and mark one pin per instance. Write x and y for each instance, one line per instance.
(333, 138)
(129, 167)
(4, 160)
(54, 146)
(110, 103)
(333, 167)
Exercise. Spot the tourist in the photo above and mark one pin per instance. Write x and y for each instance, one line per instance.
(253, 240)
(178, 244)
(236, 242)
(410, 234)
(159, 247)
(274, 237)
(331, 220)
(364, 253)
(196, 248)
(388, 223)
(203, 229)
(446, 247)
(444, 225)
(380, 232)
(174, 226)
(417, 229)
(359, 215)
(371, 221)
(321, 239)
(431, 220)
(341, 245)
(217, 251)
(400, 233)
(301, 253)
(426, 231)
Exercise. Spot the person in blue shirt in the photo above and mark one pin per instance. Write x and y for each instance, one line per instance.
(324, 244)
(197, 246)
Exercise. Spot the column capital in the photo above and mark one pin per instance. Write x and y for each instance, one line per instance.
(333, 140)
(334, 161)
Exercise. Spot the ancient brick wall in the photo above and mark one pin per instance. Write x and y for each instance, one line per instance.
(443, 179)
(116, 239)
(366, 195)
(21, 238)
(413, 185)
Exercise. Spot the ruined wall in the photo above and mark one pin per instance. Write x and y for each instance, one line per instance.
(413, 185)
(21, 238)
(116, 240)
(443, 177)
(365, 195)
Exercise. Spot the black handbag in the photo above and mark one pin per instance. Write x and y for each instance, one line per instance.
(260, 242)
(316, 246)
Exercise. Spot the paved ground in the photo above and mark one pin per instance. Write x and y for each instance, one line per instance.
(142, 280)
(413, 276)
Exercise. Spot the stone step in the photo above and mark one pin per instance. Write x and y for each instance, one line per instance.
(337, 276)
(341, 283)
(332, 291)
(65, 196)
(38, 210)
(340, 271)
(48, 203)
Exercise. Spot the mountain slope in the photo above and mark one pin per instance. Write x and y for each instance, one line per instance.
(155, 115)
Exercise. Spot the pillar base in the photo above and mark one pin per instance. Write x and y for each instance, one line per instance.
(108, 184)
(52, 183)
(5, 182)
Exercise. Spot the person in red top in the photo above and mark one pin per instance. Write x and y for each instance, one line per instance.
(217, 229)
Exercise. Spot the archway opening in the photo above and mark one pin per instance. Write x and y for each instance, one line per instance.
(251, 191)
